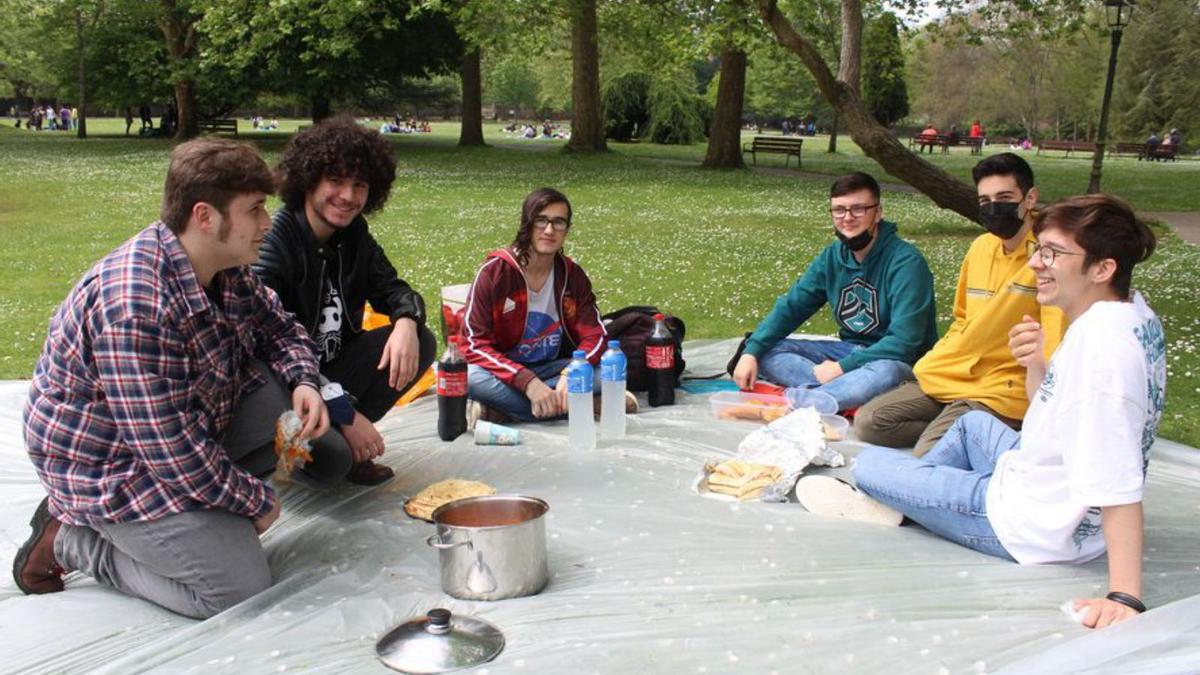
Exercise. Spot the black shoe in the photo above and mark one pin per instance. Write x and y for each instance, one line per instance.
(369, 473)
(35, 570)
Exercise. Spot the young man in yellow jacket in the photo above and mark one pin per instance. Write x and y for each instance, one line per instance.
(971, 366)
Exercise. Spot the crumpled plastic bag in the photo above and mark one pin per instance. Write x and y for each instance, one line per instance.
(291, 450)
(791, 443)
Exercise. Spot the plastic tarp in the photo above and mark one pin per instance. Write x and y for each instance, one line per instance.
(646, 576)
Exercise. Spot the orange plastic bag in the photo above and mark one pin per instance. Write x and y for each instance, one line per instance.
(372, 320)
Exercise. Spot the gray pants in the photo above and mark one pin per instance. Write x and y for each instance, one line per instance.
(200, 563)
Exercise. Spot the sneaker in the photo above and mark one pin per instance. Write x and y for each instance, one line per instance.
(631, 403)
(477, 411)
(826, 496)
(35, 570)
(800, 397)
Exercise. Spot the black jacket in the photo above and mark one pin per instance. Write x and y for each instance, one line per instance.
(292, 262)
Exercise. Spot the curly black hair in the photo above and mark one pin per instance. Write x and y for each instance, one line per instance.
(336, 148)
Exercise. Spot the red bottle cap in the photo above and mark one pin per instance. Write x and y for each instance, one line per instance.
(658, 317)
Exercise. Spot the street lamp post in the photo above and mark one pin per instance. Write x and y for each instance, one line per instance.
(1117, 12)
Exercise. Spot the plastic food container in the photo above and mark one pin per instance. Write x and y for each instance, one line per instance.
(835, 427)
(748, 406)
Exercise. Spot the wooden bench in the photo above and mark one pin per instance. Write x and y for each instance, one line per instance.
(1165, 152)
(921, 142)
(973, 142)
(218, 126)
(1127, 150)
(780, 145)
(1066, 146)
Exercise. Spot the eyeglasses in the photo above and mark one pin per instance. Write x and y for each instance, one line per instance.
(558, 223)
(857, 211)
(1048, 255)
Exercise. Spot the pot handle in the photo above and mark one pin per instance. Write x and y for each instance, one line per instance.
(435, 540)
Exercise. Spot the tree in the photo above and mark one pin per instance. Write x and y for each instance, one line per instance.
(177, 21)
(1156, 86)
(587, 118)
(724, 137)
(627, 106)
(884, 90)
(513, 84)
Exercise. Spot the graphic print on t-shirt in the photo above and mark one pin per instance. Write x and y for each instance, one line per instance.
(329, 327)
(543, 327)
(858, 307)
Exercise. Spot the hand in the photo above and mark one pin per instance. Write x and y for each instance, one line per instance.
(401, 352)
(826, 371)
(1027, 343)
(362, 437)
(1102, 612)
(544, 400)
(264, 521)
(745, 374)
(560, 393)
(307, 403)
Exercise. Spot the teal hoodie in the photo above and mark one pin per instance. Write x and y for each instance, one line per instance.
(884, 303)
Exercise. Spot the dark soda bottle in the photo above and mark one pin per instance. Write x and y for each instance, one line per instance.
(452, 392)
(660, 361)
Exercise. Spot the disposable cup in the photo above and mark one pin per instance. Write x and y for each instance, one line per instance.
(490, 433)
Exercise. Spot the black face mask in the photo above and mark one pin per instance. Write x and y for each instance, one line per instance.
(856, 243)
(1003, 219)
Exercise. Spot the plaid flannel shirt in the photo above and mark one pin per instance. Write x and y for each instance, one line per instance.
(141, 373)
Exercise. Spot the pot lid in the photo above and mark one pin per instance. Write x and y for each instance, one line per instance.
(439, 642)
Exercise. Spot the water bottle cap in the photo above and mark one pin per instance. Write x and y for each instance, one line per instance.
(659, 317)
(579, 354)
(614, 344)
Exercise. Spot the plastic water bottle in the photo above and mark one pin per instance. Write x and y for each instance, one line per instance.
(581, 424)
(612, 391)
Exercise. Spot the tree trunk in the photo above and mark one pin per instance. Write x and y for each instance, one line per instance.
(186, 118)
(833, 131)
(587, 123)
(81, 122)
(178, 26)
(875, 140)
(725, 135)
(321, 108)
(471, 133)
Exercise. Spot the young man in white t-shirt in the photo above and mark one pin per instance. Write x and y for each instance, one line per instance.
(1069, 486)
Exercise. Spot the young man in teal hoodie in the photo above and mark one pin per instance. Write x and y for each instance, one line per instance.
(881, 292)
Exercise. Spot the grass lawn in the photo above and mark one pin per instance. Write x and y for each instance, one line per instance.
(713, 247)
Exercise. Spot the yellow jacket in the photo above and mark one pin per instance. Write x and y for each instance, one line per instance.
(972, 360)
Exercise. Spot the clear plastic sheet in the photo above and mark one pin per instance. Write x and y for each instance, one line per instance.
(646, 576)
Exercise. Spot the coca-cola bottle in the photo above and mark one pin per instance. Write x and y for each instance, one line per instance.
(660, 361)
(452, 392)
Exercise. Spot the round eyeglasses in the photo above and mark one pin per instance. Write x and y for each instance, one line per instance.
(1048, 254)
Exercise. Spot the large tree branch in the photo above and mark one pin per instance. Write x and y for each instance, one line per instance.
(850, 60)
(876, 142)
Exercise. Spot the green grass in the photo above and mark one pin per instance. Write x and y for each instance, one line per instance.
(714, 247)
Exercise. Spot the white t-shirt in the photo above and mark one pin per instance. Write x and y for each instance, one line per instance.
(543, 327)
(1086, 439)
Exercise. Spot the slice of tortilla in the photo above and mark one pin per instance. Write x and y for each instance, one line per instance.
(424, 503)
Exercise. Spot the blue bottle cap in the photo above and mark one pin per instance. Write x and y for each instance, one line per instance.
(614, 344)
(579, 354)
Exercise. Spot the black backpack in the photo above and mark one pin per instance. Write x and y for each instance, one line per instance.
(632, 326)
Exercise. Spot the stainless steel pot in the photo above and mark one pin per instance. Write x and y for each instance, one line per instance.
(491, 548)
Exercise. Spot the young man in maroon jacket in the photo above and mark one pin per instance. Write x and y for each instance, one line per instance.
(529, 307)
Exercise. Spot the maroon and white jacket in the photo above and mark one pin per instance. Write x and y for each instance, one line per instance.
(497, 307)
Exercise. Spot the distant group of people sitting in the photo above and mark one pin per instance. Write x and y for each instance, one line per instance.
(1155, 145)
(261, 124)
(547, 129)
(799, 127)
(405, 125)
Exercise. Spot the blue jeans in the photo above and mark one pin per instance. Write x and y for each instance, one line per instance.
(946, 489)
(487, 389)
(790, 363)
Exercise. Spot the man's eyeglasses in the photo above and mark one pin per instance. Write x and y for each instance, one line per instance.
(559, 224)
(857, 211)
(1048, 255)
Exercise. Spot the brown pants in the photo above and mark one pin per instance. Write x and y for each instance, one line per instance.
(906, 417)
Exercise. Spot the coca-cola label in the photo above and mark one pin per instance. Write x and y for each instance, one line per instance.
(452, 384)
(660, 357)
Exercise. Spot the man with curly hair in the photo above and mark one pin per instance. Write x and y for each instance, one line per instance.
(323, 262)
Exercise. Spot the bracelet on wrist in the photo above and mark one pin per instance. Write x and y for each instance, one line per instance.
(1128, 600)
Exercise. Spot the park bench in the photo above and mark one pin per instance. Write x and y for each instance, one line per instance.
(973, 142)
(1164, 152)
(218, 126)
(1066, 146)
(1127, 150)
(920, 142)
(787, 146)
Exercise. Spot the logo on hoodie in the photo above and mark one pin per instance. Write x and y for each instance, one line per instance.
(858, 307)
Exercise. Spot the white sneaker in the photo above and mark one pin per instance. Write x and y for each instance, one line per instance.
(631, 403)
(474, 413)
(826, 496)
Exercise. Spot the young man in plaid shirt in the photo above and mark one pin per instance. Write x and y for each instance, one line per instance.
(150, 417)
